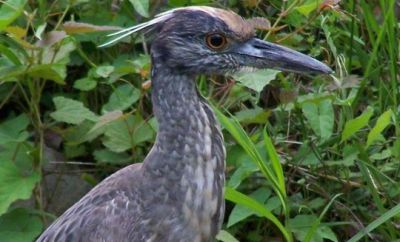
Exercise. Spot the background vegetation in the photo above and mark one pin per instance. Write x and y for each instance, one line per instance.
(72, 113)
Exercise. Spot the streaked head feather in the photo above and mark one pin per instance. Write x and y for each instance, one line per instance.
(235, 23)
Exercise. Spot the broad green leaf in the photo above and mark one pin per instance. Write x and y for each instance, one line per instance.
(9, 53)
(71, 111)
(19, 225)
(122, 98)
(14, 130)
(10, 73)
(141, 6)
(85, 84)
(239, 198)
(104, 71)
(302, 223)
(107, 156)
(225, 236)
(9, 11)
(240, 212)
(54, 72)
(352, 126)
(256, 80)
(127, 132)
(382, 122)
(320, 116)
(14, 184)
(241, 173)
(60, 50)
(308, 7)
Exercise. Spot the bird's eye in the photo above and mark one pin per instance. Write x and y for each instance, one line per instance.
(216, 41)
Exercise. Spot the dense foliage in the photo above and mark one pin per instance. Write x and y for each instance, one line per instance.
(310, 158)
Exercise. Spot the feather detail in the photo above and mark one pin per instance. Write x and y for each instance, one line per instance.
(160, 18)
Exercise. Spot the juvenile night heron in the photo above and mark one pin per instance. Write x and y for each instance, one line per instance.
(176, 194)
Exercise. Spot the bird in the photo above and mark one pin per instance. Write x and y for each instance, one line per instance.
(176, 194)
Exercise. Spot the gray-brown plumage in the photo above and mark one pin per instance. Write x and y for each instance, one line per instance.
(176, 195)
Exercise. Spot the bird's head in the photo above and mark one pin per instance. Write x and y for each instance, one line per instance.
(206, 40)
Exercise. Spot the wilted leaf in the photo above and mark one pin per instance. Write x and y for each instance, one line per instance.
(51, 38)
(122, 98)
(141, 6)
(9, 11)
(19, 225)
(256, 80)
(72, 27)
(320, 116)
(354, 125)
(14, 184)
(71, 111)
(382, 122)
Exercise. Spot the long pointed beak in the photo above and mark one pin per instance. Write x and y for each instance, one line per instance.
(263, 54)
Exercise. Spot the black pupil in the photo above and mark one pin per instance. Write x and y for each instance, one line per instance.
(216, 40)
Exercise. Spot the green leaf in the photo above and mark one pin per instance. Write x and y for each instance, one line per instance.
(308, 7)
(122, 98)
(352, 126)
(54, 72)
(382, 122)
(14, 184)
(104, 71)
(9, 11)
(256, 115)
(256, 80)
(19, 225)
(141, 6)
(240, 212)
(14, 130)
(239, 198)
(107, 156)
(320, 116)
(225, 236)
(127, 132)
(85, 84)
(71, 111)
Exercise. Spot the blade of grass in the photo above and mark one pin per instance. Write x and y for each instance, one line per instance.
(234, 128)
(317, 222)
(376, 223)
(274, 158)
(239, 198)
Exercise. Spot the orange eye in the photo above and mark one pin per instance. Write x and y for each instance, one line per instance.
(216, 41)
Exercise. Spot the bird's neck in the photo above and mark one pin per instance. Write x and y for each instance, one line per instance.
(187, 161)
(188, 134)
